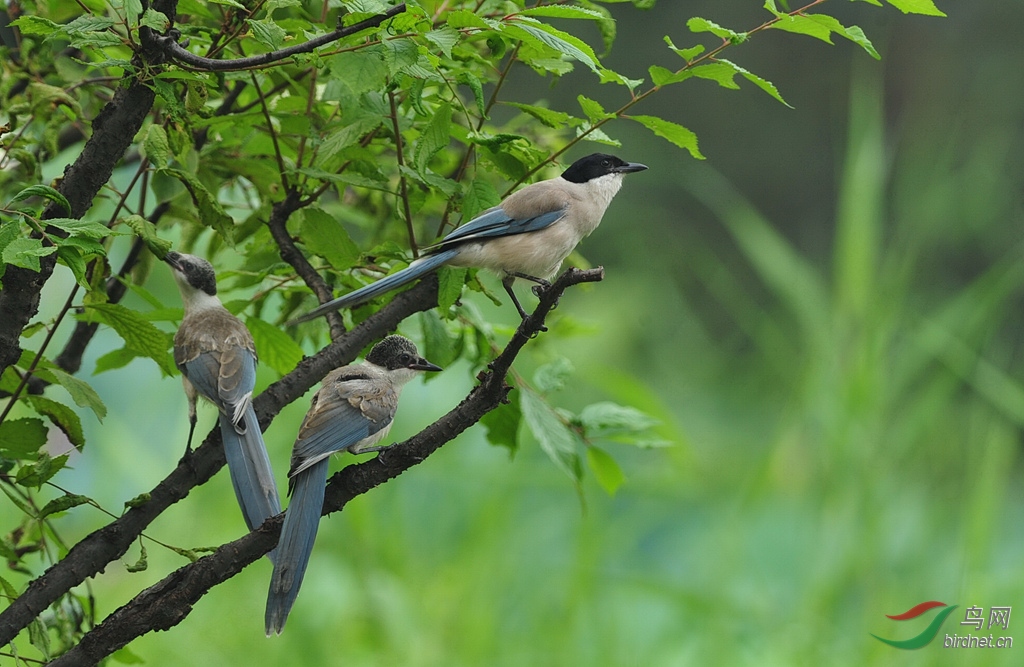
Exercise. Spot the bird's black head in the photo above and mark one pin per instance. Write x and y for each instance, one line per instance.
(195, 270)
(596, 165)
(396, 352)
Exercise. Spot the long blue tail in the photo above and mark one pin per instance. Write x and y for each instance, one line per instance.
(296, 543)
(251, 474)
(421, 266)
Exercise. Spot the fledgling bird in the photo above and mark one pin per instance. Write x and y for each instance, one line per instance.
(217, 359)
(352, 411)
(527, 236)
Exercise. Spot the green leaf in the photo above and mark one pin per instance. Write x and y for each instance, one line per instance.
(267, 32)
(340, 139)
(563, 12)
(686, 54)
(35, 25)
(593, 110)
(156, 20)
(8, 232)
(552, 376)
(606, 471)
(9, 590)
(114, 359)
(146, 231)
(763, 84)
(327, 237)
(140, 565)
(857, 36)
(444, 38)
(449, 288)
(39, 637)
(597, 135)
(703, 25)
(156, 147)
(480, 195)
(605, 419)
(477, 86)
(274, 347)
(74, 260)
(853, 33)
(436, 136)
(557, 440)
(137, 501)
(86, 228)
(62, 504)
(44, 191)
(35, 475)
(62, 416)
(22, 438)
(677, 134)
(549, 117)
(438, 346)
(211, 213)
(463, 18)
(81, 393)
(562, 42)
(139, 335)
(502, 424)
(608, 76)
(804, 25)
(25, 252)
(661, 76)
(926, 7)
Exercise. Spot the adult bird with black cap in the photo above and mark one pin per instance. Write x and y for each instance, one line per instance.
(527, 236)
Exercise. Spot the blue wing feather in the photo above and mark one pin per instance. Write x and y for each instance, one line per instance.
(297, 536)
(497, 222)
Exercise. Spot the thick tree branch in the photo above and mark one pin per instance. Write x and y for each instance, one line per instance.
(91, 555)
(174, 51)
(167, 603)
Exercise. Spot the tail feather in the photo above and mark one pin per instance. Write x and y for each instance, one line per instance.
(251, 474)
(420, 267)
(296, 543)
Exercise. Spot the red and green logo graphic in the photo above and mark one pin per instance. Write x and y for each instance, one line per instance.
(928, 633)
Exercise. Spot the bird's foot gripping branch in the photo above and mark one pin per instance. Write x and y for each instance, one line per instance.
(168, 602)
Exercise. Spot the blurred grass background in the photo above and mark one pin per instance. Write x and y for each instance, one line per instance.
(826, 315)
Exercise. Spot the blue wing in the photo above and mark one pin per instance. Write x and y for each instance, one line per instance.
(349, 408)
(496, 222)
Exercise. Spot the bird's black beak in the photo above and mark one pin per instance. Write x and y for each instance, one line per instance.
(173, 259)
(630, 167)
(422, 364)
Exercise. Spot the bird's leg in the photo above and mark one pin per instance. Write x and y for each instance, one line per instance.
(191, 395)
(191, 430)
(510, 278)
(506, 282)
(539, 287)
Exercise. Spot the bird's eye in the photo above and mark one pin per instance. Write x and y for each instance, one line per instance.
(404, 359)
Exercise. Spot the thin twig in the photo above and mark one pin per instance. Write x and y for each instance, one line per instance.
(402, 185)
(176, 52)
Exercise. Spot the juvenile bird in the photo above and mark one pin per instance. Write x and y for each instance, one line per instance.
(217, 359)
(352, 411)
(527, 236)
